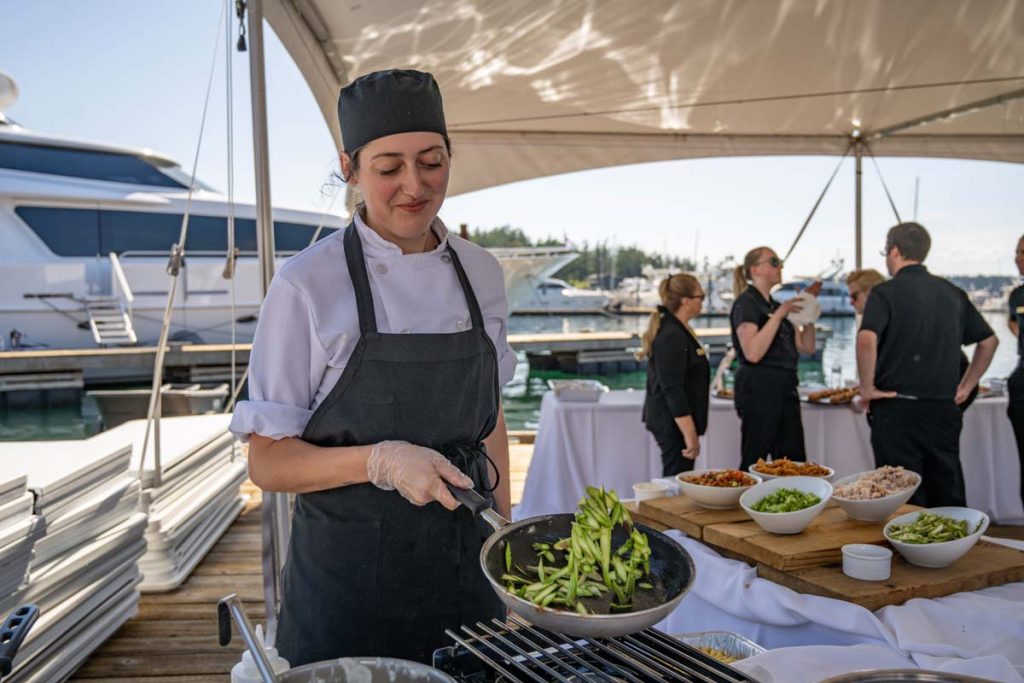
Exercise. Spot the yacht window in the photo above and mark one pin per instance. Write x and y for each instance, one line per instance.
(88, 232)
(82, 163)
(67, 232)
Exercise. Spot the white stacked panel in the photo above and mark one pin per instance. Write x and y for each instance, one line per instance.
(19, 529)
(198, 496)
(88, 538)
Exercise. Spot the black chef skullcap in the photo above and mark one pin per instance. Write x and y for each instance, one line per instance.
(389, 102)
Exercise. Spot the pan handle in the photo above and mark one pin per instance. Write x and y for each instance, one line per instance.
(13, 632)
(478, 506)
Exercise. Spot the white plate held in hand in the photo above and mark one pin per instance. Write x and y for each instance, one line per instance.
(810, 309)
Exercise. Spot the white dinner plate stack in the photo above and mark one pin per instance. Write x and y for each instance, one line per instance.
(84, 571)
(19, 529)
(198, 496)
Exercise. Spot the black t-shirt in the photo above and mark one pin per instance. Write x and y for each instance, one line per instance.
(751, 307)
(921, 322)
(1016, 313)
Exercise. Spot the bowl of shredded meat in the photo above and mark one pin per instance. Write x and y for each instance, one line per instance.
(874, 495)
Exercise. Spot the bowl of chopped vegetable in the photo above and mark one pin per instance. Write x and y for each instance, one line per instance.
(936, 537)
(717, 489)
(874, 495)
(788, 504)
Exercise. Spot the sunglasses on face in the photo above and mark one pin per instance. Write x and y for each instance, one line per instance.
(774, 262)
(696, 296)
(854, 295)
(884, 252)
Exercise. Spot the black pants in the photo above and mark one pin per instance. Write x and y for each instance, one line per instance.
(924, 437)
(769, 409)
(1015, 411)
(672, 445)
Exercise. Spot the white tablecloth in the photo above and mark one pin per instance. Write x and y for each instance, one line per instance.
(980, 633)
(606, 443)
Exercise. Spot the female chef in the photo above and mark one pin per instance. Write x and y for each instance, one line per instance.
(375, 376)
(768, 347)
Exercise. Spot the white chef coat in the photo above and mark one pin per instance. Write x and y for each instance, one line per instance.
(308, 324)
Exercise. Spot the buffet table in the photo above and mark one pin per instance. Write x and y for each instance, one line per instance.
(605, 443)
(978, 633)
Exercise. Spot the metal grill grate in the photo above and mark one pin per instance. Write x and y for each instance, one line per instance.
(516, 651)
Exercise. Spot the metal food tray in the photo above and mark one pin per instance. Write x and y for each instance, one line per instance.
(578, 390)
(732, 644)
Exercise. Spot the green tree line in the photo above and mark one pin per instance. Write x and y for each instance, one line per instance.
(597, 262)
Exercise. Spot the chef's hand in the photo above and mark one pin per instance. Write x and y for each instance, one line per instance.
(418, 473)
(789, 306)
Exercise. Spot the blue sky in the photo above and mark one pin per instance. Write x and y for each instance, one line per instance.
(135, 73)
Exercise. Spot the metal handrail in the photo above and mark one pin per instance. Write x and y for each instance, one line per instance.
(121, 279)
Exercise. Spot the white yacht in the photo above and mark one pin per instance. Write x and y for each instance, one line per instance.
(558, 296)
(85, 235)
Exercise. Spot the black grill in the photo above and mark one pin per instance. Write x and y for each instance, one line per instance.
(516, 651)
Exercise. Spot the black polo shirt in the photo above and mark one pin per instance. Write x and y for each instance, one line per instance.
(1017, 316)
(751, 307)
(921, 322)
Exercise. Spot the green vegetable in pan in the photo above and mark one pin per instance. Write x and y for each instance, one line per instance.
(587, 566)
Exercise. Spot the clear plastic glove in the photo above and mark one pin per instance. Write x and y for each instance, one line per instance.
(416, 472)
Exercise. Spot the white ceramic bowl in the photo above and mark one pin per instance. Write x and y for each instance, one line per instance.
(646, 490)
(786, 522)
(875, 510)
(716, 497)
(867, 562)
(939, 554)
(768, 477)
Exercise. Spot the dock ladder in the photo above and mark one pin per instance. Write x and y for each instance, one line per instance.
(109, 322)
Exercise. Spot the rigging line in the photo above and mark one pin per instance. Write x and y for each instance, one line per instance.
(232, 263)
(818, 203)
(323, 218)
(747, 100)
(885, 187)
(174, 265)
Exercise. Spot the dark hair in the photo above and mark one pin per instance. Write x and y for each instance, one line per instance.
(911, 239)
(355, 158)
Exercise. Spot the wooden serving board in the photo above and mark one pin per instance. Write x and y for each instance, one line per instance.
(680, 512)
(820, 543)
(986, 564)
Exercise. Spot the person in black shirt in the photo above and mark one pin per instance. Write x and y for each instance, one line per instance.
(1015, 385)
(678, 375)
(768, 347)
(908, 357)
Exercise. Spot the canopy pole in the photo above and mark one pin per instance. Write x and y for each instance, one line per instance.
(858, 153)
(274, 513)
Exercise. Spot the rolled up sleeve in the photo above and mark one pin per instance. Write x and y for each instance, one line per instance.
(670, 368)
(281, 388)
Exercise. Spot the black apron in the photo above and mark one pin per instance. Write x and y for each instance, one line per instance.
(367, 572)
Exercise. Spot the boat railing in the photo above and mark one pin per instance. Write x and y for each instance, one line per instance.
(119, 284)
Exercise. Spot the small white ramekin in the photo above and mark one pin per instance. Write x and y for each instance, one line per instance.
(867, 562)
(647, 490)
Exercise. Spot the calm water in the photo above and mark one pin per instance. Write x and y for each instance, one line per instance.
(521, 397)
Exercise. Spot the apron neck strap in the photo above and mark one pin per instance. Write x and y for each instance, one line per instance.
(360, 281)
(475, 316)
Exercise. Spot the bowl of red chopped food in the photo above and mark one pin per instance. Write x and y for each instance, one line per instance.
(874, 495)
(718, 489)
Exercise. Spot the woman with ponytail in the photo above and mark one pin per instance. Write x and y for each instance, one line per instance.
(767, 347)
(678, 375)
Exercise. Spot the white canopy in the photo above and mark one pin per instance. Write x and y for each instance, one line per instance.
(540, 87)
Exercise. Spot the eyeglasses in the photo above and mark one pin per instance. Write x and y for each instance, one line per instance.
(774, 261)
(696, 296)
